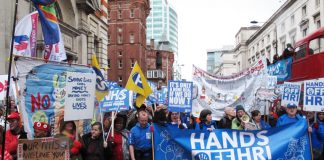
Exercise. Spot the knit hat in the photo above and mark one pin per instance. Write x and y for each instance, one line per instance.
(239, 107)
(14, 115)
(41, 126)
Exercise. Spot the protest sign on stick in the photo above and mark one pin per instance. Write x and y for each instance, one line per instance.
(314, 95)
(291, 93)
(180, 96)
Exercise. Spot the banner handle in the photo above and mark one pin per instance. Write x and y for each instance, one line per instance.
(9, 75)
(310, 139)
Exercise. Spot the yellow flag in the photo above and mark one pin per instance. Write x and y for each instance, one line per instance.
(101, 85)
(138, 83)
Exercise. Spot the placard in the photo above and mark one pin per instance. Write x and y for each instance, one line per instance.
(291, 93)
(43, 148)
(314, 95)
(179, 96)
(80, 89)
(117, 98)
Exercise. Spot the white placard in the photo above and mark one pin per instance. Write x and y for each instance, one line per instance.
(80, 90)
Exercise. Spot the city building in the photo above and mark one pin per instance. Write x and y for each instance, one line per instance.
(159, 62)
(291, 22)
(163, 22)
(83, 25)
(221, 61)
(126, 37)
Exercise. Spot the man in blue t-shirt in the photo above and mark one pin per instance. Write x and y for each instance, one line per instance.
(140, 144)
(290, 117)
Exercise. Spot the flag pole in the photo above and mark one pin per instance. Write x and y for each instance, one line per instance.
(9, 75)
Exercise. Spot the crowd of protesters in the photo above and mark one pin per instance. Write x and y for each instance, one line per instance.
(131, 137)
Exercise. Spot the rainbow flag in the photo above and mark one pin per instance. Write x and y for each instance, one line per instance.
(48, 19)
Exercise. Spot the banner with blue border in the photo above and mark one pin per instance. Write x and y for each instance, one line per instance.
(282, 143)
(281, 69)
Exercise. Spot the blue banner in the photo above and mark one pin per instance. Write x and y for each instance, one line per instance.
(179, 96)
(281, 69)
(111, 84)
(117, 97)
(282, 143)
(162, 95)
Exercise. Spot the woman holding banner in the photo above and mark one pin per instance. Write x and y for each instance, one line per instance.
(175, 121)
(259, 123)
(206, 122)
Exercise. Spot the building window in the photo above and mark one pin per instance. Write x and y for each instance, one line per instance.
(132, 13)
(268, 38)
(108, 15)
(120, 63)
(292, 19)
(120, 30)
(108, 64)
(119, 5)
(283, 28)
(132, 62)
(317, 3)
(109, 38)
(119, 14)
(131, 38)
(304, 11)
(317, 20)
(120, 78)
(120, 53)
(120, 39)
(293, 39)
(305, 32)
(262, 43)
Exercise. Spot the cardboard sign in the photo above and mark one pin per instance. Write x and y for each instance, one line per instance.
(291, 93)
(43, 148)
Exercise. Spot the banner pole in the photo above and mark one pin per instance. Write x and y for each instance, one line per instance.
(9, 75)
(310, 139)
(102, 126)
(152, 130)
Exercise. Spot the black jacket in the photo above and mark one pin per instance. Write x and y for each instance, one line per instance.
(93, 149)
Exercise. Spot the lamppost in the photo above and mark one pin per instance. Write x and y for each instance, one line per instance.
(275, 32)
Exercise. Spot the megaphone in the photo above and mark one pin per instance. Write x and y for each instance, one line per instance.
(245, 118)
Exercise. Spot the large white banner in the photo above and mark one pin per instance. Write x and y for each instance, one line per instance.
(314, 95)
(80, 89)
(247, 88)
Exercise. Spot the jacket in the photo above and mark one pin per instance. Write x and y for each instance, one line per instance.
(93, 148)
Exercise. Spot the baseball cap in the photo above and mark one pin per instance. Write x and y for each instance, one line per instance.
(291, 105)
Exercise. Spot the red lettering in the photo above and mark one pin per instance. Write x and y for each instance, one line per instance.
(36, 102)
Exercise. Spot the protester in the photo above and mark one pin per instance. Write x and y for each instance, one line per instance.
(226, 121)
(15, 132)
(206, 122)
(237, 121)
(174, 120)
(6, 153)
(68, 130)
(140, 144)
(318, 137)
(291, 115)
(120, 146)
(192, 122)
(93, 147)
(275, 58)
(106, 124)
(259, 123)
(288, 52)
(41, 129)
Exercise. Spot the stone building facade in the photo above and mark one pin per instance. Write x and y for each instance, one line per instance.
(83, 24)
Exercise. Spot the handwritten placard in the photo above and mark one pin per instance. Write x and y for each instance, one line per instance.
(80, 88)
(179, 96)
(43, 148)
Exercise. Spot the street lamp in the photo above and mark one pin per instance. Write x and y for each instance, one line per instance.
(275, 31)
